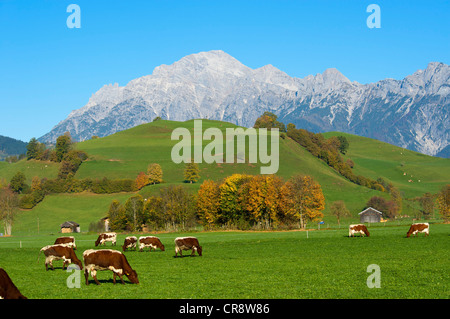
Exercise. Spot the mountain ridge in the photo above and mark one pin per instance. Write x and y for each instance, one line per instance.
(410, 113)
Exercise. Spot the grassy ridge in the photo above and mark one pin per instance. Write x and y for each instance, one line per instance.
(30, 169)
(413, 173)
(327, 264)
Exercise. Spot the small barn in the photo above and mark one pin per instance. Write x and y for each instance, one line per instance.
(370, 215)
(70, 227)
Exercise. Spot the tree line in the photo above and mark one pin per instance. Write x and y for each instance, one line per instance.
(239, 201)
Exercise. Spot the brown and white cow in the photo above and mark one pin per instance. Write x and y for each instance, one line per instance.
(58, 252)
(187, 243)
(103, 238)
(107, 259)
(7, 288)
(69, 240)
(358, 229)
(417, 228)
(150, 241)
(129, 243)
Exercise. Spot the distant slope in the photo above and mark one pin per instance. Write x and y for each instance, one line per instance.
(30, 169)
(413, 173)
(10, 146)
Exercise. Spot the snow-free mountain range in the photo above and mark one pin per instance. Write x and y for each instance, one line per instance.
(412, 113)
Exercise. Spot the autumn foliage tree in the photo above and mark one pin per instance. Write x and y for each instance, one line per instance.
(303, 199)
(269, 120)
(191, 172)
(443, 200)
(154, 174)
(208, 202)
(141, 180)
(262, 201)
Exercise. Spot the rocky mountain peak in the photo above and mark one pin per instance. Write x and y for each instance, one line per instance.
(411, 113)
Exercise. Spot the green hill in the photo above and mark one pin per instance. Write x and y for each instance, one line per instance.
(413, 173)
(126, 153)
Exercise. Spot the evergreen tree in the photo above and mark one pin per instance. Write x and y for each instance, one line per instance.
(32, 149)
(63, 144)
(17, 183)
(343, 147)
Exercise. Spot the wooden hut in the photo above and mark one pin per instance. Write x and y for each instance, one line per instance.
(370, 215)
(70, 227)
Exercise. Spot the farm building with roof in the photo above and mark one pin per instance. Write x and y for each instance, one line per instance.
(70, 227)
(370, 215)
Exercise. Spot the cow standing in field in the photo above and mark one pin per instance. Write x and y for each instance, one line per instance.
(69, 241)
(150, 241)
(103, 238)
(129, 243)
(187, 243)
(58, 252)
(417, 228)
(358, 229)
(107, 259)
(7, 288)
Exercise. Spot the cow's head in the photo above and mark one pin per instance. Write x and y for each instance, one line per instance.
(78, 263)
(199, 250)
(97, 241)
(133, 276)
(162, 247)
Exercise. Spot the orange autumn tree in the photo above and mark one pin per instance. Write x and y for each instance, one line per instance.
(263, 197)
(208, 202)
(302, 198)
(141, 180)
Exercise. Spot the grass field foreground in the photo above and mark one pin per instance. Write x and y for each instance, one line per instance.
(274, 265)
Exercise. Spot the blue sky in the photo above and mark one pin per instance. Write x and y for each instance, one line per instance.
(47, 70)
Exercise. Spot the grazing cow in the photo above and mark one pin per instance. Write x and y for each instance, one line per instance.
(187, 243)
(7, 288)
(417, 228)
(108, 259)
(129, 243)
(358, 229)
(150, 241)
(103, 238)
(57, 252)
(69, 241)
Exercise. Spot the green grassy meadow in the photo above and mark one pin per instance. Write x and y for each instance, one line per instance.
(413, 173)
(255, 265)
